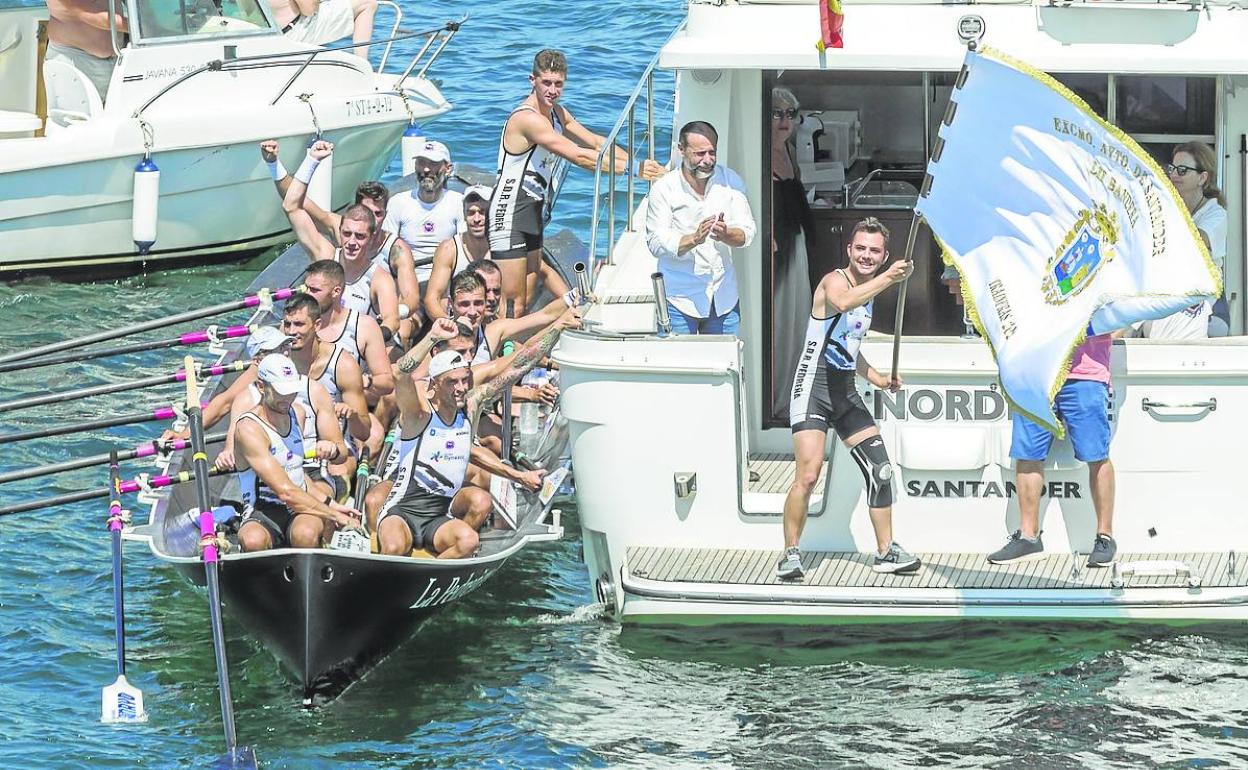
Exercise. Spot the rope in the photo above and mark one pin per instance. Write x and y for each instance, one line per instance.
(216, 540)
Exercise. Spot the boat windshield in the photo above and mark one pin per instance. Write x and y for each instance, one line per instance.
(168, 20)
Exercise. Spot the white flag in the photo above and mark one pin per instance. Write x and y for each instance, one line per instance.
(1059, 224)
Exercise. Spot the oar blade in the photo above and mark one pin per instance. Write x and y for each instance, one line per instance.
(241, 758)
(122, 702)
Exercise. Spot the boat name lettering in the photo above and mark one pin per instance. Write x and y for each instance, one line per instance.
(372, 105)
(1068, 490)
(441, 591)
(161, 73)
(980, 404)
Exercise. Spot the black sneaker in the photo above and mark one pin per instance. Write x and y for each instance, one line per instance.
(1018, 549)
(897, 561)
(1103, 551)
(790, 565)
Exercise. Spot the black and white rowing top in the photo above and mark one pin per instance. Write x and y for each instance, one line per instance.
(349, 338)
(531, 169)
(435, 462)
(358, 294)
(483, 354)
(836, 338)
(286, 448)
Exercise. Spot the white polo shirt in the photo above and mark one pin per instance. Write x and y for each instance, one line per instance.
(703, 273)
(424, 225)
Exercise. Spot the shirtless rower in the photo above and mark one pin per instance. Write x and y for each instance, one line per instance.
(385, 248)
(320, 22)
(281, 507)
(455, 254)
(78, 35)
(535, 136)
(427, 504)
(327, 364)
(369, 288)
(355, 332)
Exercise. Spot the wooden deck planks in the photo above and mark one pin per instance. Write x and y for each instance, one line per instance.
(941, 570)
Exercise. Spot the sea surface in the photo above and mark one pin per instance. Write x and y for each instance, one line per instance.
(527, 673)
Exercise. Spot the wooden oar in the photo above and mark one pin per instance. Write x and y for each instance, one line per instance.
(120, 701)
(119, 387)
(208, 534)
(262, 297)
(211, 334)
(163, 413)
(146, 449)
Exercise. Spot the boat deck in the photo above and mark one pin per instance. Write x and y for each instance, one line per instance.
(775, 474)
(756, 567)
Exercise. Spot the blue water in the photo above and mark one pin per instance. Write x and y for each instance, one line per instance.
(526, 673)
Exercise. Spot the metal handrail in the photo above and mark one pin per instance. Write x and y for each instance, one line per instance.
(227, 65)
(628, 115)
(398, 19)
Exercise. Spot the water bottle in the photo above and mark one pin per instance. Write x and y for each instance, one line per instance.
(531, 412)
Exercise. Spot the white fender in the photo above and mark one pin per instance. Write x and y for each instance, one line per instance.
(146, 204)
(322, 184)
(413, 138)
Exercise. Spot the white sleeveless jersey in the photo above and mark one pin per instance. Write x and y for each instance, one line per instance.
(381, 258)
(286, 449)
(836, 338)
(434, 462)
(349, 338)
(462, 257)
(424, 225)
(358, 295)
(530, 170)
(329, 377)
(483, 354)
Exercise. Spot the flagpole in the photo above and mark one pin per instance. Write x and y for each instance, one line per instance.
(901, 294)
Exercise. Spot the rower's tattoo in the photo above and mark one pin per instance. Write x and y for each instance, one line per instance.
(533, 351)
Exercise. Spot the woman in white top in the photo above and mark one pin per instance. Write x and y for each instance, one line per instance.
(1193, 172)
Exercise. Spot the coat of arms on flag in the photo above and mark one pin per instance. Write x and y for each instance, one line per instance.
(1059, 224)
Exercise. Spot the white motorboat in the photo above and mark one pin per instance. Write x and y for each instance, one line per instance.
(196, 87)
(682, 457)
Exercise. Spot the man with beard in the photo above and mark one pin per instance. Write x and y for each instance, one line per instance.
(457, 252)
(536, 135)
(430, 213)
(696, 215)
(368, 288)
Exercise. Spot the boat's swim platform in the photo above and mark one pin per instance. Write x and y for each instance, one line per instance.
(964, 571)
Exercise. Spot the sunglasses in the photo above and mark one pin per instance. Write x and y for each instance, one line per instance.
(782, 114)
(1174, 170)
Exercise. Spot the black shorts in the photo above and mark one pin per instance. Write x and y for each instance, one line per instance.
(515, 227)
(423, 528)
(276, 518)
(424, 513)
(828, 396)
(339, 485)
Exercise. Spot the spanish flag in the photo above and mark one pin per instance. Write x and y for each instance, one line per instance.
(830, 21)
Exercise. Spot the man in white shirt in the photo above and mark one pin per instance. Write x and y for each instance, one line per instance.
(696, 215)
(430, 213)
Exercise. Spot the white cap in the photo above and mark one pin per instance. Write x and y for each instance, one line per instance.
(434, 151)
(280, 373)
(264, 339)
(446, 361)
(477, 191)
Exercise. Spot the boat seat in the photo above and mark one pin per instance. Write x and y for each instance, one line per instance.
(72, 97)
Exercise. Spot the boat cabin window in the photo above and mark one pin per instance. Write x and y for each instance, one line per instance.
(859, 141)
(167, 20)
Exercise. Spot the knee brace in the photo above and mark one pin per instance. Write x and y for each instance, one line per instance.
(872, 459)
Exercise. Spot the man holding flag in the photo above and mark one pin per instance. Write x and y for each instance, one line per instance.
(1062, 230)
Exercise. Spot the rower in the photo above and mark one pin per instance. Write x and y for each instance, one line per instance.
(281, 507)
(537, 134)
(430, 213)
(339, 374)
(355, 332)
(455, 254)
(427, 504)
(468, 307)
(487, 270)
(385, 248)
(368, 288)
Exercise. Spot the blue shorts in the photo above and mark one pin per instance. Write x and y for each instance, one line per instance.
(1084, 406)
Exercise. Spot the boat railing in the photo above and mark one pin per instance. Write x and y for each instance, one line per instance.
(435, 39)
(626, 122)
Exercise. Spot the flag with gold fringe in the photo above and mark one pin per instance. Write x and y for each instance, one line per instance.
(830, 21)
(1059, 224)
